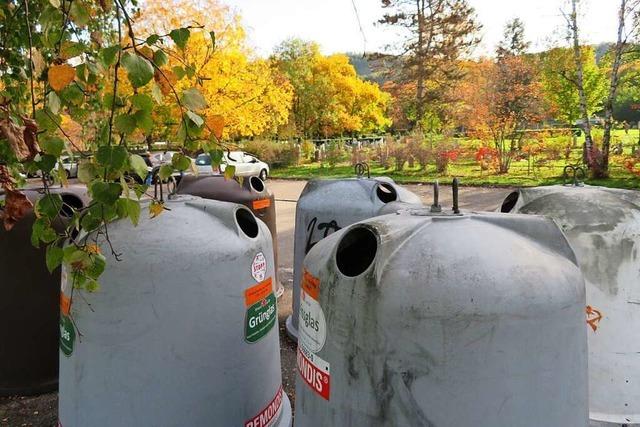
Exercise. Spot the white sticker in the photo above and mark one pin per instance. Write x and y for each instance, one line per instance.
(313, 326)
(259, 267)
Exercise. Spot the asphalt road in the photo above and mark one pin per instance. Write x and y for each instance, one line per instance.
(287, 193)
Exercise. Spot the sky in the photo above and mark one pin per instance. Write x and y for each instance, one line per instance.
(334, 25)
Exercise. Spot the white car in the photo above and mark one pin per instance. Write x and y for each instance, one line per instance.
(70, 166)
(163, 158)
(246, 164)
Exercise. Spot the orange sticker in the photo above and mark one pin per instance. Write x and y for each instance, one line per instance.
(65, 304)
(311, 285)
(593, 317)
(261, 204)
(258, 292)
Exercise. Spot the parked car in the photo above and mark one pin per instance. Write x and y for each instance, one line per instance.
(70, 166)
(246, 164)
(162, 158)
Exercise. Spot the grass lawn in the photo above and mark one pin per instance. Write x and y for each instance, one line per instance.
(521, 173)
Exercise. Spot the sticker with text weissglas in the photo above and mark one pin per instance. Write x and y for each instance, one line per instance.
(269, 414)
(314, 371)
(259, 267)
(313, 326)
(260, 303)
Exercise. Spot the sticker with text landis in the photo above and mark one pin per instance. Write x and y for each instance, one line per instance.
(260, 303)
(315, 372)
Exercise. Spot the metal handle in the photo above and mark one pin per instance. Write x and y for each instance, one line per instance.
(361, 168)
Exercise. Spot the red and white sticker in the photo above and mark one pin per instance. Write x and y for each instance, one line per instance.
(269, 414)
(314, 371)
(259, 267)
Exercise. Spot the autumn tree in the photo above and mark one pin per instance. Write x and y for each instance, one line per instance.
(503, 97)
(437, 33)
(330, 98)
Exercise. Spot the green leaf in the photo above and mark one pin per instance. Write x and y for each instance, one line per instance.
(180, 37)
(138, 165)
(179, 72)
(72, 95)
(180, 162)
(152, 39)
(143, 120)
(229, 171)
(131, 209)
(90, 222)
(216, 158)
(125, 123)
(156, 93)
(53, 145)
(196, 119)
(53, 102)
(165, 171)
(160, 58)
(108, 55)
(193, 99)
(96, 266)
(106, 192)
(86, 171)
(139, 70)
(114, 158)
(79, 14)
(46, 162)
(53, 257)
(142, 102)
(47, 122)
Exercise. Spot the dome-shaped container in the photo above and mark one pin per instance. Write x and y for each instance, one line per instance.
(253, 193)
(183, 331)
(29, 303)
(603, 227)
(327, 205)
(449, 320)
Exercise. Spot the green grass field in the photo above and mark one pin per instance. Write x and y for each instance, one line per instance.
(521, 173)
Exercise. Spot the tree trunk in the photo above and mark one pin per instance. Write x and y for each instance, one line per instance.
(613, 87)
(420, 64)
(577, 56)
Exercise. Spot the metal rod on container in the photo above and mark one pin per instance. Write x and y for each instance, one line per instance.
(435, 207)
(454, 189)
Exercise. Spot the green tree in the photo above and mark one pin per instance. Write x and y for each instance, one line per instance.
(559, 83)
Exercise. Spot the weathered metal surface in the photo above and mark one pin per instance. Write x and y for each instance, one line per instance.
(183, 331)
(326, 206)
(252, 193)
(603, 227)
(416, 319)
(29, 305)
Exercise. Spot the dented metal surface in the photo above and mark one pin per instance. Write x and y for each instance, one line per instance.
(328, 205)
(603, 227)
(175, 335)
(459, 320)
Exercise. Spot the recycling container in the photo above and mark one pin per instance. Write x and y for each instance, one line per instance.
(183, 331)
(252, 193)
(432, 319)
(326, 206)
(603, 227)
(29, 301)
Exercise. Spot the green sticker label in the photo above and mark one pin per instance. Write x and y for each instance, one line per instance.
(261, 317)
(67, 335)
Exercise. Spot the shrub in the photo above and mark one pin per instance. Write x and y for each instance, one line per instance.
(334, 153)
(275, 153)
(445, 152)
(307, 151)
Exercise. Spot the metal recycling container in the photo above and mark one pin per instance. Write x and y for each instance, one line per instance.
(603, 227)
(468, 320)
(327, 205)
(29, 304)
(183, 331)
(253, 193)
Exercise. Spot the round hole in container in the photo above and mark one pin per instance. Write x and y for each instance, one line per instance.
(247, 222)
(509, 202)
(69, 204)
(356, 251)
(256, 184)
(386, 193)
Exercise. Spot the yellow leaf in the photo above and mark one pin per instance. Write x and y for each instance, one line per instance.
(229, 172)
(92, 248)
(155, 208)
(215, 124)
(60, 76)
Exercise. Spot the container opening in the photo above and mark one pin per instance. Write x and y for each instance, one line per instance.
(69, 203)
(356, 251)
(509, 202)
(247, 222)
(256, 184)
(386, 193)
